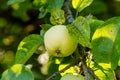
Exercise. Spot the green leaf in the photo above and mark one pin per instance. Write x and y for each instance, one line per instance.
(116, 50)
(14, 1)
(43, 12)
(17, 72)
(57, 17)
(49, 6)
(80, 31)
(105, 42)
(81, 4)
(94, 24)
(53, 4)
(39, 2)
(27, 47)
(44, 27)
(103, 71)
(94, 8)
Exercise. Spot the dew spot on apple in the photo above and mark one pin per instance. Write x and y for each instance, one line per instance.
(58, 52)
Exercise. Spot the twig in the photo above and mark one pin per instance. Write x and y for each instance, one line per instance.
(68, 13)
(87, 69)
(90, 71)
(53, 75)
(64, 69)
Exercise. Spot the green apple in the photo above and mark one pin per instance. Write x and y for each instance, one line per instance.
(58, 42)
(70, 76)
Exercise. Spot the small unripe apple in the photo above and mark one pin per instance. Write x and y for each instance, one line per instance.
(70, 76)
(58, 42)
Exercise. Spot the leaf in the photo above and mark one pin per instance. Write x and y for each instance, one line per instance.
(81, 4)
(103, 71)
(39, 2)
(105, 42)
(97, 7)
(94, 24)
(116, 51)
(10, 2)
(57, 17)
(49, 6)
(80, 31)
(43, 12)
(27, 47)
(17, 72)
(45, 27)
(53, 4)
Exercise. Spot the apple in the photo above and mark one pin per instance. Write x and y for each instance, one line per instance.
(58, 42)
(70, 76)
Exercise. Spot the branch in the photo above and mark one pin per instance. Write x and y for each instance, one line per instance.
(68, 13)
(87, 70)
(64, 69)
(90, 71)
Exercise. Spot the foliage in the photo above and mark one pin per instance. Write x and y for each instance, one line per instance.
(27, 47)
(80, 30)
(23, 55)
(17, 72)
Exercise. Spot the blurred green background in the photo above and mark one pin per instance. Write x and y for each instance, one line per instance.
(19, 20)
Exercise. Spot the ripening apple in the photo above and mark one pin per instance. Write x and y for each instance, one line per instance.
(58, 42)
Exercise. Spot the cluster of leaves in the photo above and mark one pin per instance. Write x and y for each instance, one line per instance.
(101, 37)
